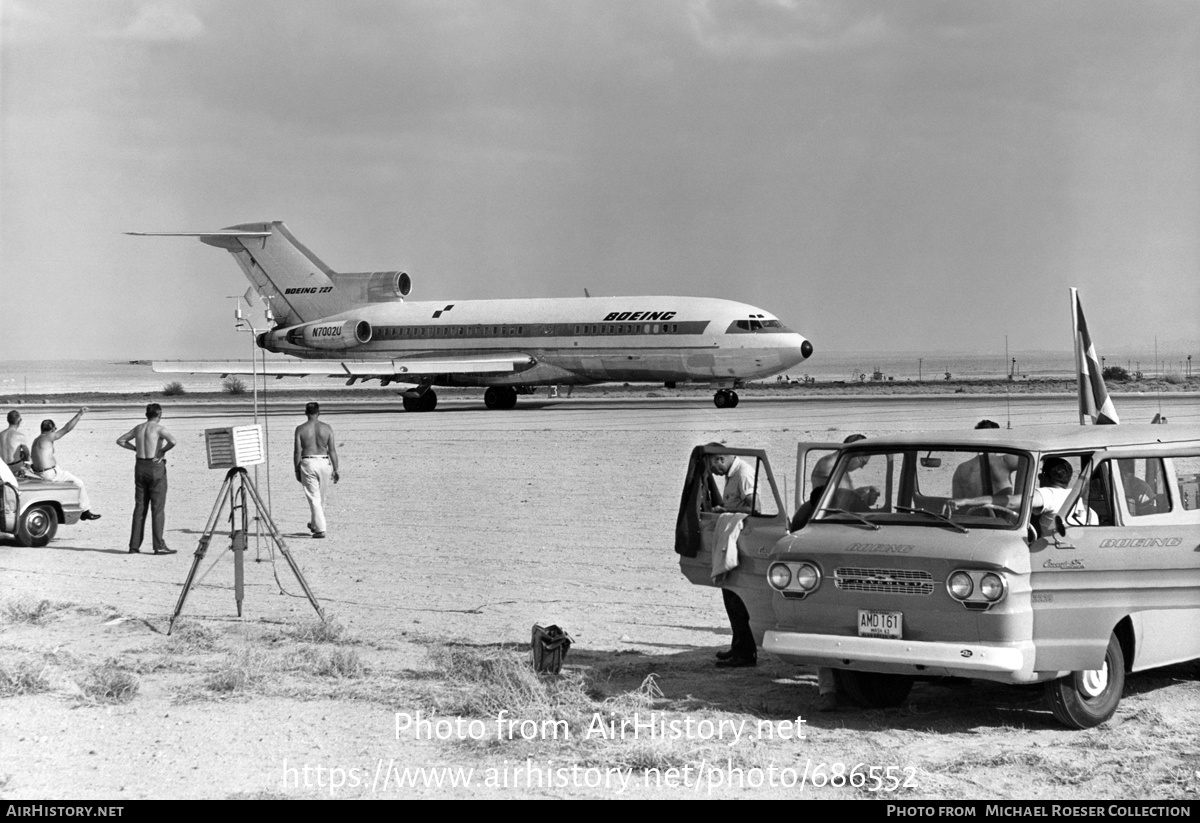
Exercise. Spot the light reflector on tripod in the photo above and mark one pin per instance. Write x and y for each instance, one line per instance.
(234, 446)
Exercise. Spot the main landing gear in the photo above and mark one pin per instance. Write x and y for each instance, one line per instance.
(725, 399)
(425, 401)
(500, 397)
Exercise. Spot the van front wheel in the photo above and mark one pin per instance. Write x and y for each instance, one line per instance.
(1082, 700)
(874, 690)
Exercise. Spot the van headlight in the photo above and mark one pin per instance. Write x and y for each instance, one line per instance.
(807, 577)
(991, 587)
(960, 585)
(779, 575)
(794, 579)
(976, 589)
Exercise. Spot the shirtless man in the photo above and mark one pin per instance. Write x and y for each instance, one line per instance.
(862, 498)
(316, 460)
(151, 442)
(45, 463)
(968, 479)
(14, 451)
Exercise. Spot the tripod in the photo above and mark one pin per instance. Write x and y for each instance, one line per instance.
(237, 488)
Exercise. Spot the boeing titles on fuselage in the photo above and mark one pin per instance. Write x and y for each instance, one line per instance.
(508, 346)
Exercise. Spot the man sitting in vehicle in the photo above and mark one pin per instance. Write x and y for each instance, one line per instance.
(970, 479)
(848, 496)
(1054, 487)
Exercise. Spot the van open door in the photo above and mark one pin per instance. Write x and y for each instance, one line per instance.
(761, 528)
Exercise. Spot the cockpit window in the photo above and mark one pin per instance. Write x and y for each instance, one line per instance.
(756, 324)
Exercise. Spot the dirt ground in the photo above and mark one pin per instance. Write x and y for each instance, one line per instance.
(452, 533)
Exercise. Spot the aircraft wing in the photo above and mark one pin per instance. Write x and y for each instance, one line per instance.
(407, 370)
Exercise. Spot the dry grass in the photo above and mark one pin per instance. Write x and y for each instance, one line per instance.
(238, 672)
(31, 610)
(329, 630)
(110, 682)
(23, 677)
(335, 663)
(189, 637)
(484, 682)
(567, 714)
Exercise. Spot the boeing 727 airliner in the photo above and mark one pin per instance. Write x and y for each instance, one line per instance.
(359, 326)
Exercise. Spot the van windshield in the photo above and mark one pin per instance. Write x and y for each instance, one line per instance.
(919, 486)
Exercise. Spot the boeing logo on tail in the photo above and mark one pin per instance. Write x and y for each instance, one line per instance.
(360, 326)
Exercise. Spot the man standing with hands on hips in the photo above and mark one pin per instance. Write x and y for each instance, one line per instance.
(151, 442)
(316, 461)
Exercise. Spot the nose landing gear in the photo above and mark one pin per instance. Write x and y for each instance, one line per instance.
(500, 397)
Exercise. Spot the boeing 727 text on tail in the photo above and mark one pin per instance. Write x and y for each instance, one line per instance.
(360, 326)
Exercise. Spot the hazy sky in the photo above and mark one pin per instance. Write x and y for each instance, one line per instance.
(880, 175)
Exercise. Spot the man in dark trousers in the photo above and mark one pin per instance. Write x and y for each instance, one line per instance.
(737, 496)
(151, 442)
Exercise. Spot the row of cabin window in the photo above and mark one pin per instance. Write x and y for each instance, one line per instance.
(392, 332)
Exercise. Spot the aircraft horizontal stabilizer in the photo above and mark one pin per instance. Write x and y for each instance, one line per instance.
(406, 370)
(222, 233)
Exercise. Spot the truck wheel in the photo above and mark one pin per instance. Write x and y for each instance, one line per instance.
(38, 526)
(874, 690)
(1082, 700)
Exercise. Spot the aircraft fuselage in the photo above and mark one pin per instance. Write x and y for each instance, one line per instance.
(566, 340)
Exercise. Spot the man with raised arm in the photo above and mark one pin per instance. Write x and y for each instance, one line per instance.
(45, 462)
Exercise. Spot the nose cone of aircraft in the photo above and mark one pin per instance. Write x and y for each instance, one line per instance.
(796, 349)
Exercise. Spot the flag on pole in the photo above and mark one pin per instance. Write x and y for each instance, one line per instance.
(1094, 402)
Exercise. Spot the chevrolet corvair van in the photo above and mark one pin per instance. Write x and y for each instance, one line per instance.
(924, 556)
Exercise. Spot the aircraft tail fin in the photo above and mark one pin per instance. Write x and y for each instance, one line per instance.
(292, 280)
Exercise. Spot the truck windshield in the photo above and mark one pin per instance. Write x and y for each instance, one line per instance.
(932, 487)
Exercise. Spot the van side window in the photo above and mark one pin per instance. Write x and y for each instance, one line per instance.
(744, 484)
(1144, 481)
(1187, 474)
(1099, 496)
